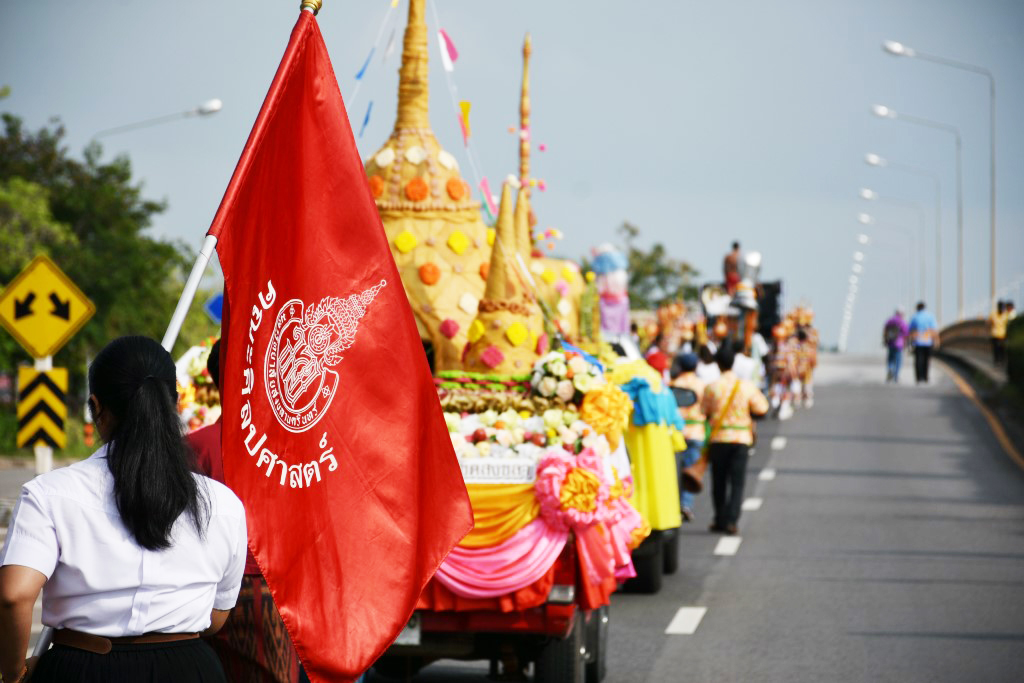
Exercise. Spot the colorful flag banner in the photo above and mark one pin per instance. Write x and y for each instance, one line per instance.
(333, 436)
(390, 49)
(366, 64)
(464, 106)
(449, 54)
(366, 119)
(485, 187)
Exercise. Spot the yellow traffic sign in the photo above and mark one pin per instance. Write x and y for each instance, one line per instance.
(42, 407)
(42, 308)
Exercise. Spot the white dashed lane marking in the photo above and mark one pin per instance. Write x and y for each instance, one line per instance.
(728, 545)
(751, 504)
(767, 474)
(778, 443)
(686, 621)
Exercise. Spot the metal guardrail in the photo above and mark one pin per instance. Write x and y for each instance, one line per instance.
(966, 335)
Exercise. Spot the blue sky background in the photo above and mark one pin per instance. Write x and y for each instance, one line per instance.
(699, 122)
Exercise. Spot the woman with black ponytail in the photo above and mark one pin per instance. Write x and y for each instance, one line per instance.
(135, 554)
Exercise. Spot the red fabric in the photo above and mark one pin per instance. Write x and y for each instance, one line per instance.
(205, 442)
(352, 507)
(436, 597)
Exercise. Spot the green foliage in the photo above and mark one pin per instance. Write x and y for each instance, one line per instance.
(94, 229)
(654, 277)
(27, 227)
(1015, 353)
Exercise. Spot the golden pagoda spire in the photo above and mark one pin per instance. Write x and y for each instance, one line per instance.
(500, 277)
(524, 118)
(524, 242)
(413, 86)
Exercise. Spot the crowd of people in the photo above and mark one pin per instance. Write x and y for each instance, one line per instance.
(732, 380)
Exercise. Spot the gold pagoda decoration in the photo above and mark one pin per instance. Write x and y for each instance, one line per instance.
(437, 237)
(505, 335)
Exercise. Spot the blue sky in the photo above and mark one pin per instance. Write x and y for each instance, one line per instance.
(699, 122)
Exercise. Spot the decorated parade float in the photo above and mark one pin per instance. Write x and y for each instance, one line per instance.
(540, 426)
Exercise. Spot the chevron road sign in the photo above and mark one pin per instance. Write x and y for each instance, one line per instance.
(41, 407)
(42, 308)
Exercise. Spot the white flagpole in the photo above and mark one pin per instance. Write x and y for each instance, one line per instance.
(189, 293)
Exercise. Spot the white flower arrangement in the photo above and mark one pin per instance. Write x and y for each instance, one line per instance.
(565, 376)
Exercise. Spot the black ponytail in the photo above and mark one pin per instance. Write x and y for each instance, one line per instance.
(134, 378)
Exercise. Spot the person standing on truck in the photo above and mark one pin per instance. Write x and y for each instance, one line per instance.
(731, 269)
(924, 336)
(894, 336)
(730, 404)
(694, 432)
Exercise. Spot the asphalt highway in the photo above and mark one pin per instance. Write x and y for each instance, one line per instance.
(888, 545)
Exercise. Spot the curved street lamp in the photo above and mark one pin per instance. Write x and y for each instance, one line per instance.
(205, 109)
(884, 112)
(898, 49)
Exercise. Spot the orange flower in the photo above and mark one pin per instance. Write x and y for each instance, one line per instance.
(376, 186)
(416, 190)
(456, 188)
(485, 269)
(430, 273)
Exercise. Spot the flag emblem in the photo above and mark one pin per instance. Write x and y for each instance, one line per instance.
(304, 349)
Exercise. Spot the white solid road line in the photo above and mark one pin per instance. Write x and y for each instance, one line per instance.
(751, 504)
(686, 621)
(778, 443)
(767, 474)
(728, 545)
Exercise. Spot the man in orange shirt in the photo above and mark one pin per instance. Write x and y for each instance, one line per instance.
(730, 404)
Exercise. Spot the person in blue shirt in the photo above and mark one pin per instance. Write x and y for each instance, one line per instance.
(924, 336)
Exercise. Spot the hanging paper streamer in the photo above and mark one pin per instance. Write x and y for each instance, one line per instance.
(464, 106)
(391, 46)
(485, 188)
(448, 52)
(366, 119)
(366, 65)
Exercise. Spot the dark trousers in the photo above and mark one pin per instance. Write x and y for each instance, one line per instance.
(998, 351)
(922, 356)
(728, 476)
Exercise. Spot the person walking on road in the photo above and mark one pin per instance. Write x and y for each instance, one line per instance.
(894, 336)
(135, 554)
(730, 404)
(924, 336)
(684, 375)
(997, 324)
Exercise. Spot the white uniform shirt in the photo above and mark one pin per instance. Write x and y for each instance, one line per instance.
(66, 526)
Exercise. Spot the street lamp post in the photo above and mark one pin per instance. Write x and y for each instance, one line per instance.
(871, 195)
(881, 162)
(898, 49)
(887, 113)
(907, 279)
(205, 109)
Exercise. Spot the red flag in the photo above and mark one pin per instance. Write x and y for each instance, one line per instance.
(333, 434)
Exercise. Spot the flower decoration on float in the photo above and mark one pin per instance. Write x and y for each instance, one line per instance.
(567, 376)
(572, 489)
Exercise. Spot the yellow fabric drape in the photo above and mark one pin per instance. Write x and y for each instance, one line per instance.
(655, 480)
(499, 511)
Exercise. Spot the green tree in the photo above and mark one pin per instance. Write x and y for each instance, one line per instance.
(95, 230)
(654, 277)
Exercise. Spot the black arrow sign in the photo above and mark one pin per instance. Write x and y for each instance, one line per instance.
(23, 308)
(61, 309)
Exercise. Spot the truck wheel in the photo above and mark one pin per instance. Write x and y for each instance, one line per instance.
(671, 551)
(649, 562)
(597, 645)
(563, 660)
